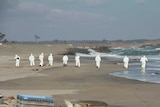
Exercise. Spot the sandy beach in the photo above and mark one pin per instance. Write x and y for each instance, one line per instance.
(84, 83)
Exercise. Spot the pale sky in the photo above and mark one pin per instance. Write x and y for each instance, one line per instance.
(80, 19)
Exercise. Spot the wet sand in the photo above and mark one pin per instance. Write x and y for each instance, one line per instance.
(84, 83)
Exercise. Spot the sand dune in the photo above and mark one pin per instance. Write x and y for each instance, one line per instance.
(24, 50)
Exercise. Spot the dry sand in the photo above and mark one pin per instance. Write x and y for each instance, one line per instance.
(84, 83)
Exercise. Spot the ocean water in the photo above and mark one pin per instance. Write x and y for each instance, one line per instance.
(152, 71)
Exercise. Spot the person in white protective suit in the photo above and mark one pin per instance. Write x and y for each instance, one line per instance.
(17, 60)
(98, 61)
(65, 60)
(41, 57)
(50, 59)
(143, 61)
(77, 59)
(126, 61)
(31, 60)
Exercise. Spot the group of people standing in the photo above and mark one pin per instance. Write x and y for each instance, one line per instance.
(41, 57)
(77, 60)
(32, 60)
(50, 60)
(143, 61)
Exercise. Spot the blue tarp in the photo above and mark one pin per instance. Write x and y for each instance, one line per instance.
(35, 98)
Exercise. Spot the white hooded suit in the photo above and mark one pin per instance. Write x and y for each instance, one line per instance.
(65, 60)
(126, 60)
(17, 60)
(98, 60)
(143, 61)
(41, 57)
(50, 59)
(77, 60)
(31, 60)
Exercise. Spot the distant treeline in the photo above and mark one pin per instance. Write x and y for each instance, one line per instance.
(83, 41)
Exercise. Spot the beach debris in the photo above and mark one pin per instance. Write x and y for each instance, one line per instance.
(5, 101)
(78, 105)
(45, 64)
(84, 103)
(1, 99)
(1, 95)
(32, 101)
(35, 69)
(8, 100)
(68, 103)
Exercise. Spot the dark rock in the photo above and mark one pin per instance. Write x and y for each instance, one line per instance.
(102, 49)
(72, 51)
